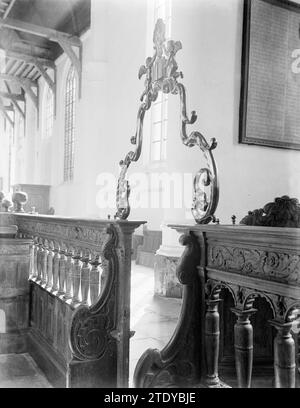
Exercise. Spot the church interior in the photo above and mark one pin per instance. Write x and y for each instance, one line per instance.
(149, 186)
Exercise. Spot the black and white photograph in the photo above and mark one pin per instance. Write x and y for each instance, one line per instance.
(149, 197)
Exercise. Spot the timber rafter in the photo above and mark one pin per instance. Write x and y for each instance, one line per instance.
(70, 44)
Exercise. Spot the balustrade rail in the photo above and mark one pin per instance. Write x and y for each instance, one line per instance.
(79, 277)
(250, 262)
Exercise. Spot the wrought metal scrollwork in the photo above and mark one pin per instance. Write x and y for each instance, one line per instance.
(161, 72)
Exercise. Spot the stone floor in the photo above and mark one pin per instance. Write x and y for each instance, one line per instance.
(20, 371)
(153, 318)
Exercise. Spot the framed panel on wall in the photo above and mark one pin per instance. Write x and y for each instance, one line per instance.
(270, 86)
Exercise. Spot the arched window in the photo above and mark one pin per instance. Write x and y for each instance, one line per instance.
(70, 99)
(159, 112)
(49, 113)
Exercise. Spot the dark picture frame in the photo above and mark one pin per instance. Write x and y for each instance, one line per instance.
(273, 124)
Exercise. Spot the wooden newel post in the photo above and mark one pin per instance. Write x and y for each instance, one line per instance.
(243, 345)
(284, 355)
(212, 341)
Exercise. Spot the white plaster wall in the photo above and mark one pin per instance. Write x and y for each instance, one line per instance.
(4, 148)
(105, 117)
(250, 176)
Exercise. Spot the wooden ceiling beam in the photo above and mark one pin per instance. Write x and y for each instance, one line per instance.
(5, 114)
(46, 77)
(12, 96)
(10, 6)
(29, 59)
(49, 33)
(12, 78)
(26, 84)
(14, 100)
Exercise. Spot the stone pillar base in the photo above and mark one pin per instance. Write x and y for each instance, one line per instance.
(14, 295)
(165, 279)
(15, 342)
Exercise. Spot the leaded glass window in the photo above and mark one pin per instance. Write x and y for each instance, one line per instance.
(70, 100)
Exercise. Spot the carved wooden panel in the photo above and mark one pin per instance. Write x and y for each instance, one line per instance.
(273, 264)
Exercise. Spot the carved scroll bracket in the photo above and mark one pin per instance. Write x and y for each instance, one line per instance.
(179, 362)
(161, 75)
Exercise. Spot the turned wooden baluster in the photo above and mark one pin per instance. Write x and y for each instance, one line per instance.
(94, 280)
(50, 266)
(85, 279)
(76, 273)
(284, 355)
(212, 338)
(40, 253)
(55, 269)
(33, 272)
(30, 258)
(243, 345)
(62, 271)
(69, 271)
(35, 259)
(44, 257)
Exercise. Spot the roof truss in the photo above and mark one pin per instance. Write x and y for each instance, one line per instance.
(28, 60)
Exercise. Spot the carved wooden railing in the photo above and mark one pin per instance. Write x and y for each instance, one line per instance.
(251, 262)
(80, 298)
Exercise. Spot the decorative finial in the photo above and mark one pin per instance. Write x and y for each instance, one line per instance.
(2, 195)
(19, 199)
(33, 210)
(233, 218)
(7, 205)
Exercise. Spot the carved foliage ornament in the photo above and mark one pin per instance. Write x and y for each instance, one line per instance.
(162, 75)
(274, 266)
(64, 232)
(283, 212)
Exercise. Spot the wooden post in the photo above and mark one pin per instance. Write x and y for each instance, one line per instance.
(50, 267)
(34, 261)
(243, 345)
(212, 341)
(76, 271)
(39, 261)
(55, 270)
(94, 280)
(44, 257)
(284, 355)
(68, 274)
(85, 280)
(62, 272)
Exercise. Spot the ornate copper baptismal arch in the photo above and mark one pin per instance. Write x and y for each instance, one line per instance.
(162, 75)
